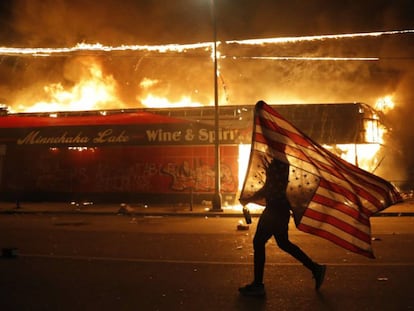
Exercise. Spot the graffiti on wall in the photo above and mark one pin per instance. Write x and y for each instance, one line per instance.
(198, 178)
(126, 170)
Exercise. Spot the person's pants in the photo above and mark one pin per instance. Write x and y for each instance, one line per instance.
(267, 227)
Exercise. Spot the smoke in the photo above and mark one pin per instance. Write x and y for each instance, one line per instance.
(68, 22)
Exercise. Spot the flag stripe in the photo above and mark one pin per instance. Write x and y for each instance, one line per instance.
(341, 207)
(338, 189)
(297, 138)
(334, 231)
(341, 237)
(351, 229)
(361, 177)
(365, 251)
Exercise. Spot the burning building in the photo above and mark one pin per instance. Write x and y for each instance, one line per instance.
(159, 155)
(108, 149)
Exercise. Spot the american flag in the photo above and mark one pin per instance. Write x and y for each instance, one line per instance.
(329, 197)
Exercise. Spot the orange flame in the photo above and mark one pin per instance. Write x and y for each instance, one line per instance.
(385, 104)
(94, 90)
(366, 155)
(154, 101)
(98, 47)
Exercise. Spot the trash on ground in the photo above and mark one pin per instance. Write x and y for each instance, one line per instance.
(242, 226)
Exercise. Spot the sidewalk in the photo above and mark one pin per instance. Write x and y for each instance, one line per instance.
(405, 208)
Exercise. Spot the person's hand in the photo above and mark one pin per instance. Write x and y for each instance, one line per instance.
(243, 201)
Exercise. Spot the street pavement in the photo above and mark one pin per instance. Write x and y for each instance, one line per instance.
(405, 208)
(85, 257)
(75, 261)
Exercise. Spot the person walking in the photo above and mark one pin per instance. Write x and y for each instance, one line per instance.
(274, 221)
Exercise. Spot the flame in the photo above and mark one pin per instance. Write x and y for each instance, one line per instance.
(364, 156)
(94, 90)
(385, 104)
(327, 58)
(320, 38)
(374, 132)
(154, 101)
(147, 83)
(157, 101)
(244, 155)
(98, 47)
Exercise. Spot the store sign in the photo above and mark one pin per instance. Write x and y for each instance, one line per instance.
(36, 137)
(191, 135)
(122, 135)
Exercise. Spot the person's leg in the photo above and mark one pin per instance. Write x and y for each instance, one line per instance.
(262, 235)
(282, 240)
(318, 271)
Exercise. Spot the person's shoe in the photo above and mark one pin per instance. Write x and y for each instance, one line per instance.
(319, 275)
(253, 289)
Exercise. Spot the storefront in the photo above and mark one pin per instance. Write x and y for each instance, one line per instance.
(138, 156)
(156, 155)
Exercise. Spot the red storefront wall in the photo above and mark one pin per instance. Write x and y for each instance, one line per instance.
(118, 173)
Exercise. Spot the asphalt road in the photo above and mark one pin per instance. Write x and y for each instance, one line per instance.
(90, 262)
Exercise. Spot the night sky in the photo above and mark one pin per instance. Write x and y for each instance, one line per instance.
(59, 23)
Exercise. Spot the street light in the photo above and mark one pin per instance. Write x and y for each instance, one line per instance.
(216, 202)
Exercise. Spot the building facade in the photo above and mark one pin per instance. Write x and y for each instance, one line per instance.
(149, 155)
